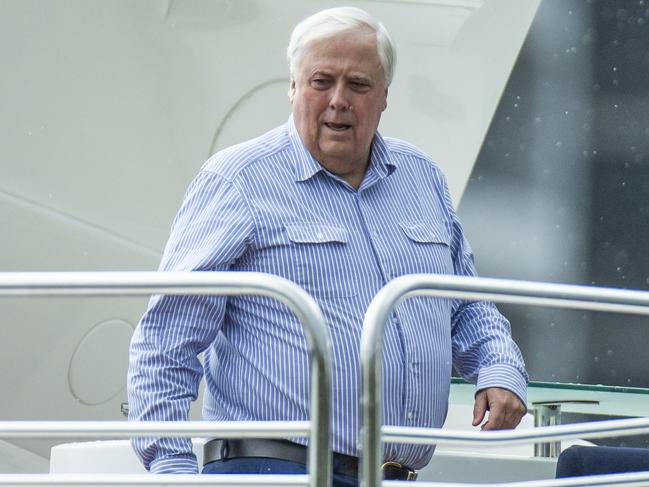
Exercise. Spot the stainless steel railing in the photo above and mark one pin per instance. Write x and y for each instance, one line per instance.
(521, 292)
(145, 283)
(634, 479)
(136, 480)
(196, 283)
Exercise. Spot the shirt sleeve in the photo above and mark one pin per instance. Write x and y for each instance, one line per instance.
(211, 230)
(483, 349)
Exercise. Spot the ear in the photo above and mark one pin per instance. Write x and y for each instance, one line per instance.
(291, 91)
(385, 100)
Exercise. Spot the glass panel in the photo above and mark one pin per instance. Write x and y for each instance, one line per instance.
(560, 189)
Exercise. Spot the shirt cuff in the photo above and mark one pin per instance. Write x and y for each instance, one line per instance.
(180, 464)
(503, 376)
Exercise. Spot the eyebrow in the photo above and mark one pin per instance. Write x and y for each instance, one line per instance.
(320, 72)
(360, 78)
(352, 77)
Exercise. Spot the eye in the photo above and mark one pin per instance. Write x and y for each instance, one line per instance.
(357, 85)
(320, 83)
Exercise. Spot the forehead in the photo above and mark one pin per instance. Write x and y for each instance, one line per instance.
(355, 50)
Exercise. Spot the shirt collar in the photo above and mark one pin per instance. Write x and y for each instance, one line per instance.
(306, 166)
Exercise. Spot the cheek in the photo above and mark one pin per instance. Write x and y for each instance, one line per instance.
(309, 118)
(369, 120)
(300, 111)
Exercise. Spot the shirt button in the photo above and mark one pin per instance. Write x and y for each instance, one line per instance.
(375, 234)
(319, 236)
(410, 415)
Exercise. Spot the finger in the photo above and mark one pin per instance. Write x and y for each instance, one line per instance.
(496, 418)
(513, 412)
(479, 408)
(508, 415)
(518, 412)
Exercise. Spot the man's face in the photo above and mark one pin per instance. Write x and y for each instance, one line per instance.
(338, 95)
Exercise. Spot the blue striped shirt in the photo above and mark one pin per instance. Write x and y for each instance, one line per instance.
(268, 206)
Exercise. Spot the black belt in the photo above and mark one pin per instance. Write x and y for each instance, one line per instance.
(293, 452)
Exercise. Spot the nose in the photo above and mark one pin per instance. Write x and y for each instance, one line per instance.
(339, 100)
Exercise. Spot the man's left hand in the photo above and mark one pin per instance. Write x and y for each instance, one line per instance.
(505, 409)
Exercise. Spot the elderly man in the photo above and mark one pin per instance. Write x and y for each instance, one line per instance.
(327, 202)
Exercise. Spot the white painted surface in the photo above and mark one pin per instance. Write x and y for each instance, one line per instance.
(115, 456)
(18, 460)
(109, 109)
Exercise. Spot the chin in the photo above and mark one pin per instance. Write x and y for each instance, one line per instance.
(342, 155)
(339, 148)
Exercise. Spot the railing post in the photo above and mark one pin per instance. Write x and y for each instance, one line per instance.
(462, 287)
(214, 283)
(547, 415)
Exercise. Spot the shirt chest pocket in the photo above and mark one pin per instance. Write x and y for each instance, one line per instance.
(322, 259)
(426, 249)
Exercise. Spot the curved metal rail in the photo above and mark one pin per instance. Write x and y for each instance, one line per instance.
(163, 429)
(195, 283)
(498, 290)
(136, 480)
(633, 479)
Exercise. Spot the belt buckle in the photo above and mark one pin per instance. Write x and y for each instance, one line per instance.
(412, 474)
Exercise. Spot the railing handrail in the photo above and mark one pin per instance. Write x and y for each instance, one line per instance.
(166, 429)
(470, 288)
(215, 283)
(592, 429)
(136, 480)
(630, 479)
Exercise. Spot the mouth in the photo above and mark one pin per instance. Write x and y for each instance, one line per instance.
(337, 127)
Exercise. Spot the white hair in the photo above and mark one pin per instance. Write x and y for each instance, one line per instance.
(327, 23)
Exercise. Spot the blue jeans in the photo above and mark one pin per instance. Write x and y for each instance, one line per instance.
(270, 466)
